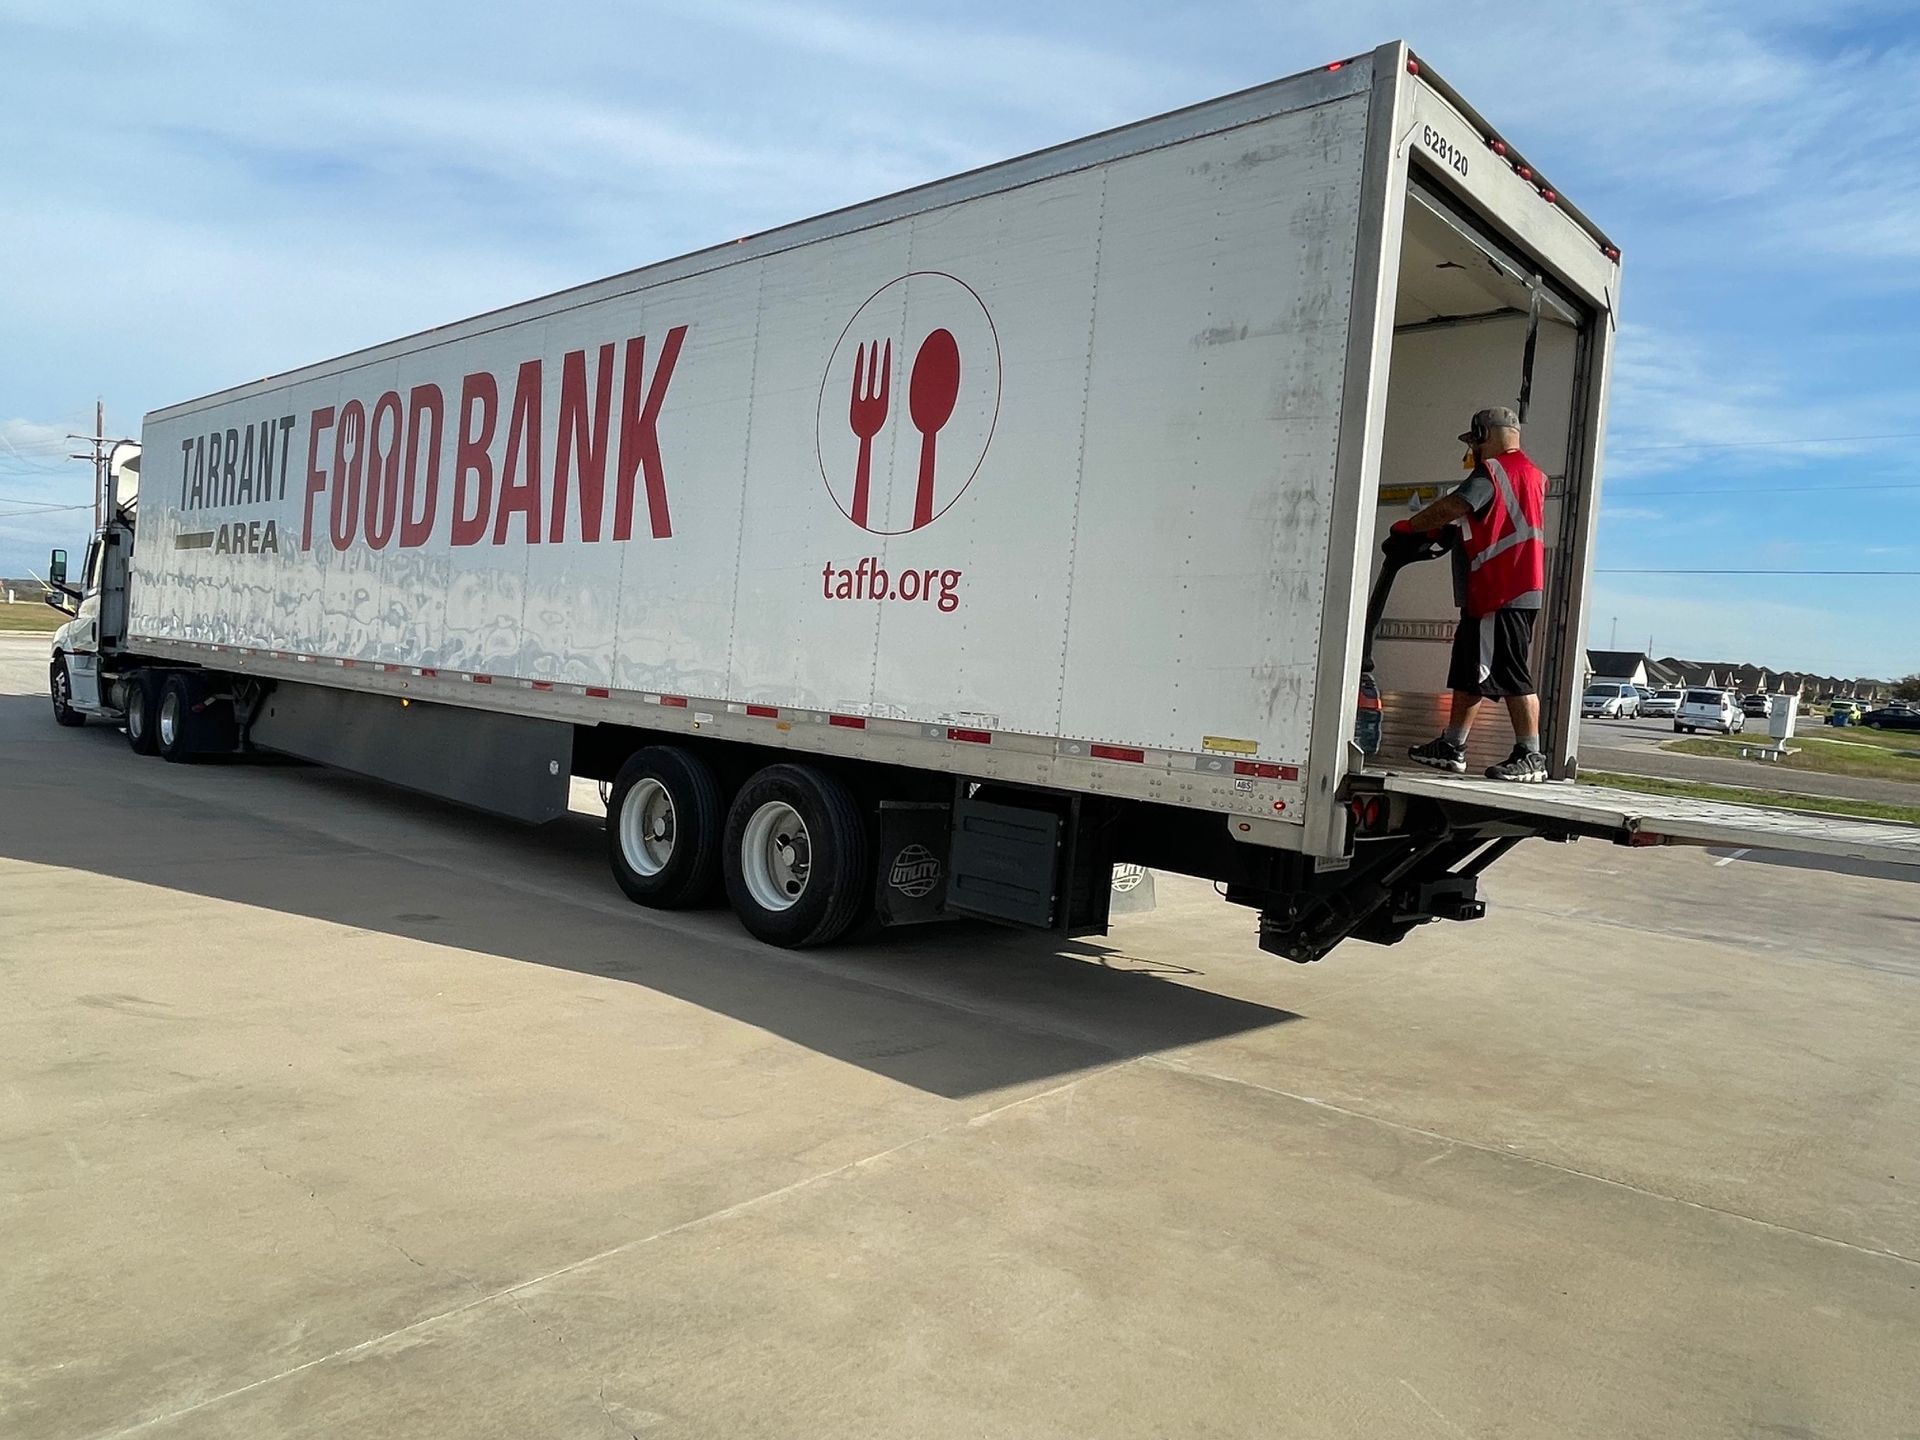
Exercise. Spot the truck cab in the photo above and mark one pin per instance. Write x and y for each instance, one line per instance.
(81, 669)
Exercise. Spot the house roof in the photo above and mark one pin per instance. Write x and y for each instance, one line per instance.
(1615, 662)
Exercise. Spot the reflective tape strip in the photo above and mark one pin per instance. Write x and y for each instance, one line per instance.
(1522, 531)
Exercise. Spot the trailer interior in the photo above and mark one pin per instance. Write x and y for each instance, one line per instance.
(1474, 325)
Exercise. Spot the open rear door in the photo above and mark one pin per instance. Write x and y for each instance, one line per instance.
(1565, 809)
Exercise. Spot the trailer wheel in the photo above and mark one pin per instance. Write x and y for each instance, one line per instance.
(142, 694)
(176, 728)
(665, 824)
(797, 857)
(60, 686)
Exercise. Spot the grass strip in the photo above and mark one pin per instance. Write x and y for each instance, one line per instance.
(1817, 756)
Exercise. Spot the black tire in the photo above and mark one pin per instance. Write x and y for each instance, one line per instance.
(834, 857)
(685, 871)
(176, 728)
(143, 694)
(60, 688)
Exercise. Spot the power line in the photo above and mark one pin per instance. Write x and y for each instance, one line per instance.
(1761, 490)
(1608, 570)
(1762, 444)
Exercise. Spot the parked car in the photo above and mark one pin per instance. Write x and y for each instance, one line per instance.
(1610, 701)
(1758, 706)
(1709, 710)
(1893, 717)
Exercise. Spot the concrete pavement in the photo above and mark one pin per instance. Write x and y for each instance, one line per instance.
(325, 1110)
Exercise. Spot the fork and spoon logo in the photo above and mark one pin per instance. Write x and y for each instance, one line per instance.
(869, 443)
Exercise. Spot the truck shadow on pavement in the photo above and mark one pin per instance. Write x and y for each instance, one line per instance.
(951, 1009)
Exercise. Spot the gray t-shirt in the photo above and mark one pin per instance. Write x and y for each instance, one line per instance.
(1477, 491)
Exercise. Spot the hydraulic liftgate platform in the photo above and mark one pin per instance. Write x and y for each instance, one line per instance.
(1636, 819)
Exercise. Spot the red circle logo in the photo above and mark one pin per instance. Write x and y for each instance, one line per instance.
(909, 402)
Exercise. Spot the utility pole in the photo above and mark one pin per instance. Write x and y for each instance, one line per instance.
(100, 452)
(1613, 635)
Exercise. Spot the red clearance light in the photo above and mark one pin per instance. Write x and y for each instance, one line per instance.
(1499, 147)
(847, 722)
(972, 737)
(1117, 752)
(1610, 252)
(1336, 65)
(1524, 173)
(1548, 196)
(1413, 66)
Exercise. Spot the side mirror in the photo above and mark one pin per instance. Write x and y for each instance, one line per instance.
(57, 567)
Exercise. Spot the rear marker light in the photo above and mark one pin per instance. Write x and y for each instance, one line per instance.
(971, 737)
(1336, 65)
(1117, 752)
(1413, 66)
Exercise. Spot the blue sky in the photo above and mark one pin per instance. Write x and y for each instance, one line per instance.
(200, 193)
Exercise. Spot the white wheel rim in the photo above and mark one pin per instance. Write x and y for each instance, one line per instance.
(169, 717)
(60, 690)
(776, 856)
(648, 827)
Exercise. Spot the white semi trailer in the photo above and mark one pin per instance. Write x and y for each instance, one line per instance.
(932, 556)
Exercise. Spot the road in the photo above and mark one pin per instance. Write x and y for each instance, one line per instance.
(1632, 747)
(327, 1110)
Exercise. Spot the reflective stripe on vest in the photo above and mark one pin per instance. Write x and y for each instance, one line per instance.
(1506, 552)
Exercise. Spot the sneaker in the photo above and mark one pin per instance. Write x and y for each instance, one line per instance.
(1442, 754)
(1527, 767)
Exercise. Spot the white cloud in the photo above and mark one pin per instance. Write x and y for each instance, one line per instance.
(1796, 624)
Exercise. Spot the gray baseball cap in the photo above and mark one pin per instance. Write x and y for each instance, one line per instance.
(1494, 417)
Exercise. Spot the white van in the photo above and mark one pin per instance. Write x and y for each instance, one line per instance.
(1709, 710)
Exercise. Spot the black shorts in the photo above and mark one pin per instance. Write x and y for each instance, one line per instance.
(1490, 655)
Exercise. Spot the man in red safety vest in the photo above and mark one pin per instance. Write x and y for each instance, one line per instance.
(1500, 571)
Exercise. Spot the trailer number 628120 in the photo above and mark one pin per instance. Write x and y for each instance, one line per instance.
(1451, 155)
